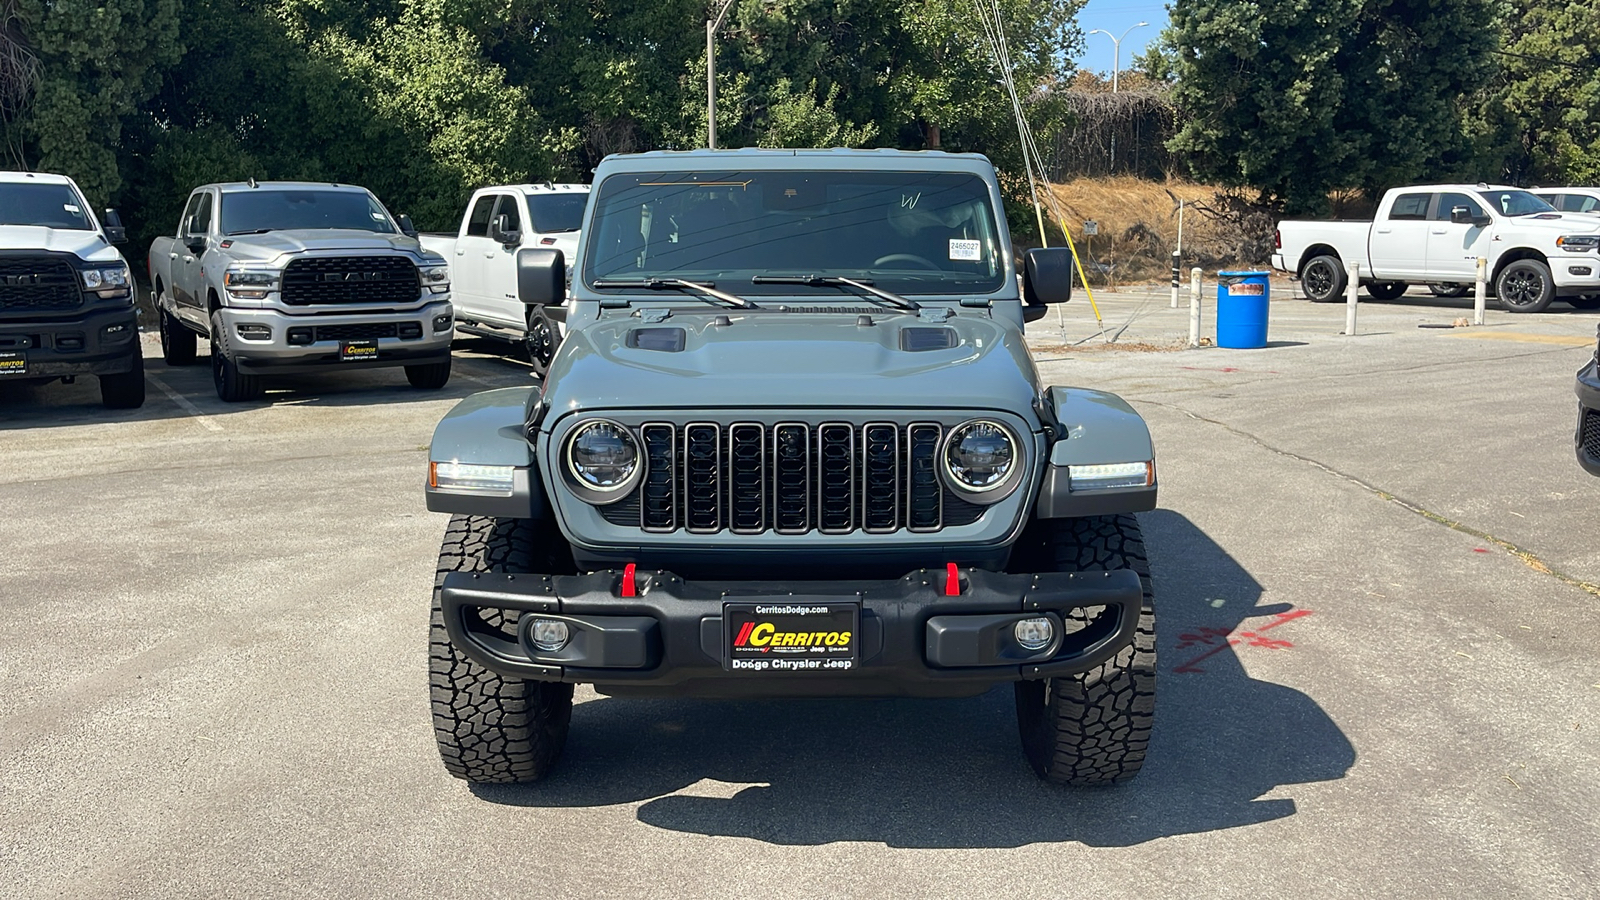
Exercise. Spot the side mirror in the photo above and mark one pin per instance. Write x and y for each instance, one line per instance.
(406, 228)
(541, 276)
(115, 232)
(1461, 215)
(193, 238)
(500, 230)
(1046, 276)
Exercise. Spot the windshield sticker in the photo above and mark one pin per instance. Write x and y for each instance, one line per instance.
(966, 250)
(71, 209)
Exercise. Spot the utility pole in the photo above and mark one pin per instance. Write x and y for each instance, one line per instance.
(1116, 67)
(712, 24)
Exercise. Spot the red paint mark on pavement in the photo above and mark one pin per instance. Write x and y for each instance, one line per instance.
(1227, 369)
(1220, 639)
(1479, 550)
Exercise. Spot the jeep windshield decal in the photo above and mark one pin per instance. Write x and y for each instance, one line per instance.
(903, 232)
(261, 210)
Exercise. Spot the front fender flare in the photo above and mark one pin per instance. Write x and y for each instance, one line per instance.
(488, 429)
(1094, 427)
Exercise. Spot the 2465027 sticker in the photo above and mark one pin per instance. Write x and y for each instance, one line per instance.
(964, 250)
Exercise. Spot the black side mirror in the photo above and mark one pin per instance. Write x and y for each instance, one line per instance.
(500, 230)
(115, 232)
(1046, 276)
(193, 237)
(1461, 215)
(406, 228)
(541, 276)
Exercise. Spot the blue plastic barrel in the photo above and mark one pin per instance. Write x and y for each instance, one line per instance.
(1242, 309)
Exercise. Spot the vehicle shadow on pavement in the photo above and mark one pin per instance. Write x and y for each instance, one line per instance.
(950, 773)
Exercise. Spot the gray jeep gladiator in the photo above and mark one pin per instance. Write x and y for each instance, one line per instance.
(1587, 439)
(793, 444)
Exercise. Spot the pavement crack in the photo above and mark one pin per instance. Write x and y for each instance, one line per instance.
(1526, 557)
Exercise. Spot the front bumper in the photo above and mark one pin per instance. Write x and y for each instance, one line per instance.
(915, 640)
(1575, 274)
(276, 356)
(97, 342)
(1587, 438)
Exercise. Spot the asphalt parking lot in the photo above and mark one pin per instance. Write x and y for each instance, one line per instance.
(1377, 571)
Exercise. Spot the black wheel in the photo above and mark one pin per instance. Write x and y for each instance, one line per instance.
(1585, 301)
(1092, 728)
(1440, 289)
(541, 341)
(178, 343)
(232, 385)
(1385, 290)
(494, 730)
(1323, 279)
(430, 376)
(125, 390)
(1524, 286)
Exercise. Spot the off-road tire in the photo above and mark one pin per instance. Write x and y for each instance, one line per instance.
(541, 341)
(490, 729)
(1525, 286)
(125, 390)
(1585, 301)
(179, 344)
(1323, 279)
(1443, 289)
(233, 386)
(1093, 728)
(429, 376)
(1385, 290)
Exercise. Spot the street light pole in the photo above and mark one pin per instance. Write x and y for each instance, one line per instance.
(1116, 68)
(712, 25)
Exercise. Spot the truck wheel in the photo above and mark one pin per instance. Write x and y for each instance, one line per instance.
(494, 730)
(1441, 289)
(1093, 728)
(1323, 279)
(429, 377)
(1524, 286)
(125, 390)
(178, 343)
(232, 385)
(1585, 301)
(541, 341)
(1386, 290)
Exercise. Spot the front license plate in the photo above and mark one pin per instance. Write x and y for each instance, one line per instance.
(792, 634)
(13, 362)
(353, 351)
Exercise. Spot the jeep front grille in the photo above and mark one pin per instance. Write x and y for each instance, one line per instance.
(320, 280)
(791, 478)
(29, 283)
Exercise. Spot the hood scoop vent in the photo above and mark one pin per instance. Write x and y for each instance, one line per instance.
(917, 340)
(665, 340)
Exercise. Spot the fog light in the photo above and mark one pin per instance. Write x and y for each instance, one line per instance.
(549, 635)
(442, 323)
(255, 332)
(1034, 634)
(1580, 270)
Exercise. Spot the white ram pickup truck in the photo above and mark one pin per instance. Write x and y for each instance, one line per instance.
(1434, 234)
(482, 252)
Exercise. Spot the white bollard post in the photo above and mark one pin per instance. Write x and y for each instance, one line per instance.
(1480, 293)
(1194, 307)
(1350, 297)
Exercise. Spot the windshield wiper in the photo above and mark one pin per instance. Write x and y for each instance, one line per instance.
(255, 231)
(708, 289)
(834, 280)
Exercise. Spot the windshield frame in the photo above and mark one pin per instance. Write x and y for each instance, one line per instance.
(91, 221)
(223, 197)
(975, 207)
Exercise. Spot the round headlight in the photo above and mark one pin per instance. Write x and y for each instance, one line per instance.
(980, 455)
(602, 456)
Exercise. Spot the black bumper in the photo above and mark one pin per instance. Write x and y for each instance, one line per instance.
(915, 639)
(322, 363)
(93, 343)
(1587, 438)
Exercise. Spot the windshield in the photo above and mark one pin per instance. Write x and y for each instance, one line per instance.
(1515, 203)
(265, 209)
(44, 205)
(553, 213)
(907, 232)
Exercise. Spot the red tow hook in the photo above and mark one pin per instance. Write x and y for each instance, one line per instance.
(629, 587)
(952, 580)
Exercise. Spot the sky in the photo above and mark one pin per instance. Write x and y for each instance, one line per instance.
(1116, 16)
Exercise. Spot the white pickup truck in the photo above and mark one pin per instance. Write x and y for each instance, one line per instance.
(1434, 234)
(482, 252)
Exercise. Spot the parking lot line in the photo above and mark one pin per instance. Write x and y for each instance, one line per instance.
(1564, 340)
(183, 403)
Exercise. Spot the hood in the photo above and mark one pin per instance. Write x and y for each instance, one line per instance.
(86, 245)
(1555, 223)
(276, 243)
(565, 241)
(794, 360)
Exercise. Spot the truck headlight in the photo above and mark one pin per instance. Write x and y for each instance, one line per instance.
(980, 456)
(435, 278)
(1579, 243)
(107, 282)
(1112, 475)
(251, 284)
(602, 456)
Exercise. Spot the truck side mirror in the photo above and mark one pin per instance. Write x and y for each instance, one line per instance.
(115, 232)
(500, 230)
(1047, 276)
(1461, 215)
(406, 228)
(193, 237)
(541, 276)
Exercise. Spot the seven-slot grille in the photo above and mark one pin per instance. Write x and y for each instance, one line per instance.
(38, 282)
(317, 280)
(791, 478)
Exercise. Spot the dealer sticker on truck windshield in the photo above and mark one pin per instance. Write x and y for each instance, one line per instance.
(796, 634)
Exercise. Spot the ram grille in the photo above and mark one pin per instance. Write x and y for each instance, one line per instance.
(344, 280)
(29, 283)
